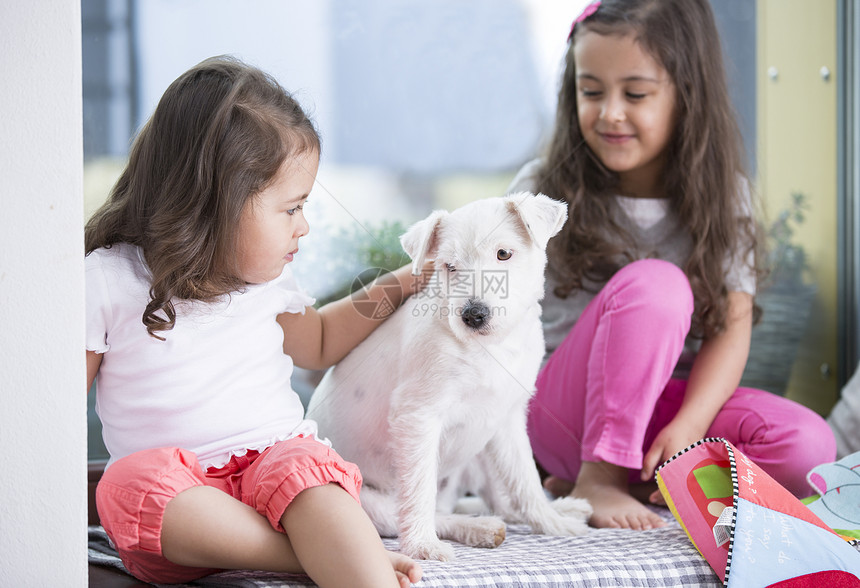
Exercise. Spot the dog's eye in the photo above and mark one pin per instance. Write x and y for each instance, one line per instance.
(450, 267)
(504, 254)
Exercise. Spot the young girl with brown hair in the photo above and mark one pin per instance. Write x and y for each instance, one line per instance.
(650, 293)
(194, 323)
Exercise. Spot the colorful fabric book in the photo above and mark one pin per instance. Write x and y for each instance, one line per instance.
(838, 499)
(751, 530)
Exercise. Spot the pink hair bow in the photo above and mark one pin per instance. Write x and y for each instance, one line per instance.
(586, 12)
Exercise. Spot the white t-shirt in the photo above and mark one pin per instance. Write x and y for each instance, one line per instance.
(658, 233)
(218, 385)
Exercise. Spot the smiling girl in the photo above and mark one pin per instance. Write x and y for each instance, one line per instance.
(649, 303)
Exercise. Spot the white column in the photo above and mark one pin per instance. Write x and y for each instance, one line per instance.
(42, 374)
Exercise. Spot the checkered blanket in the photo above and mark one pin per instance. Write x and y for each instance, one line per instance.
(604, 557)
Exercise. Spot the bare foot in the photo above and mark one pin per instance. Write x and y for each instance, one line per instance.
(605, 486)
(406, 569)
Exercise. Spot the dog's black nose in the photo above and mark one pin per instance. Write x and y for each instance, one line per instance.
(475, 314)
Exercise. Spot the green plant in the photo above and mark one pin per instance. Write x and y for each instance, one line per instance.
(787, 261)
(786, 301)
(354, 255)
(379, 246)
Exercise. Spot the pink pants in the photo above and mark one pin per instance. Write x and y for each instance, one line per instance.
(607, 391)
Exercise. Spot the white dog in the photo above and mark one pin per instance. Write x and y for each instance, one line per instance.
(436, 397)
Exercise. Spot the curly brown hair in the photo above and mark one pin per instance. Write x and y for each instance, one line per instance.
(217, 138)
(704, 182)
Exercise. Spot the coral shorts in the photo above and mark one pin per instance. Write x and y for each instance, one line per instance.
(133, 494)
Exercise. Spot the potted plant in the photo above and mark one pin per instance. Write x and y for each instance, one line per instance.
(785, 296)
(787, 261)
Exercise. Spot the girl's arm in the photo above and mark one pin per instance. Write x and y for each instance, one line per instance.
(714, 377)
(94, 361)
(320, 338)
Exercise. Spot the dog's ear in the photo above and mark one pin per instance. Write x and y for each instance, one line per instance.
(542, 216)
(419, 241)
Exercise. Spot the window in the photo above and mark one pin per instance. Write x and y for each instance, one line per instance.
(420, 104)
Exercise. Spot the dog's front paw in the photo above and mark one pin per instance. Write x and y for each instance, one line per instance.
(429, 549)
(486, 531)
(483, 532)
(578, 508)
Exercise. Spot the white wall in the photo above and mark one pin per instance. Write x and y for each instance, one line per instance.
(42, 374)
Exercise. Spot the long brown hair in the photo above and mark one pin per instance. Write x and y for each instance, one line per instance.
(704, 181)
(216, 139)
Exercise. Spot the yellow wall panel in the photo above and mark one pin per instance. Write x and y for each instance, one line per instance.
(797, 153)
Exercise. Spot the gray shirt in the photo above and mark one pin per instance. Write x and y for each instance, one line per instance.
(658, 234)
